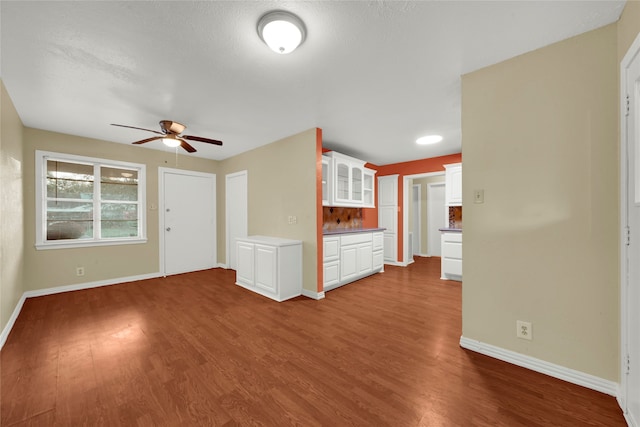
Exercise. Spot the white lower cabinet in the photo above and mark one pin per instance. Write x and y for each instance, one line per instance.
(270, 266)
(451, 260)
(351, 256)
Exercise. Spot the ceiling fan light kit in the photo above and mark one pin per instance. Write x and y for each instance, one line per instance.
(171, 141)
(282, 31)
(171, 135)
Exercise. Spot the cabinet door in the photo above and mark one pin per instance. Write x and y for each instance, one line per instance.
(453, 182)
(342, 178)
(331, 274)
(327, 197)
(378, 260)
(356, 184)
(266, 268)
(368, 188)
(244, 263)
(365, 258)
(348, 262)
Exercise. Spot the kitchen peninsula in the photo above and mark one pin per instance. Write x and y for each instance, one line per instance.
(351, 254)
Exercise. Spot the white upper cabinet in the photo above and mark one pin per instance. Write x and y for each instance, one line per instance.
(368, 188)
(348, 182)
(326, 161)
(453, 184)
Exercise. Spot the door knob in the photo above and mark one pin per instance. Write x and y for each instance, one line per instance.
(168, 228)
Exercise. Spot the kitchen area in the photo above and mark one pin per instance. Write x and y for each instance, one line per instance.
(451, 234)
(351, 250)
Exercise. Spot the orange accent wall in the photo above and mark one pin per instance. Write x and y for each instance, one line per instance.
(320, 269)
(433, 164)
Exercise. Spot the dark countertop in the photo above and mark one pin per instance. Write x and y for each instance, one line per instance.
(350, 230)
(451, 230)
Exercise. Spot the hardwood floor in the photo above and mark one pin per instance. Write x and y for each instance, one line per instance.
(195, 349)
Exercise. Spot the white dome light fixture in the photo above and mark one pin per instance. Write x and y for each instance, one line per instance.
(282, 31)
(429, 139)
(171, 141)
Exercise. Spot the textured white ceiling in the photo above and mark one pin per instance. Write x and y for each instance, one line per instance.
(374, 75)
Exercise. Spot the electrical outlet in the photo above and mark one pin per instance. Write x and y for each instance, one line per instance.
(523, 330)
(292, 219)
(79, 271)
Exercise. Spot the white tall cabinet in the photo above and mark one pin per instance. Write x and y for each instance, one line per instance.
(388, 215)
(270, 266)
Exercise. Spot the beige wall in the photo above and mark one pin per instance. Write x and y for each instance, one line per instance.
(540, 137)
(11, 208)
(281, 183)
(57, 267)
(628, 27)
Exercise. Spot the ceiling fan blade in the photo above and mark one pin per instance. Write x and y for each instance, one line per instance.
(153, 138)
(201, 139)
(133, 127)
(184, 144)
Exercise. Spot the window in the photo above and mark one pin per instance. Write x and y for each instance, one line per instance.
(83, 201)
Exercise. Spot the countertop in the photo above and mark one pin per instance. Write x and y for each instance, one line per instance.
(350, 230)
(451, 230)
(273, 241)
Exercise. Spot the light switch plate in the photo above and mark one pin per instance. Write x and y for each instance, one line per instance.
(478, 196)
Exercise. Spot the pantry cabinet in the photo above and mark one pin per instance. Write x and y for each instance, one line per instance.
(270, 266)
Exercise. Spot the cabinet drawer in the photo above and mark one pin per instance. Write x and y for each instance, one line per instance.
(378, 241)
(452, 266)
(331, 248)
(378, 260)
(452, 237)
(352, 239)
(452, 250)
(331, 273)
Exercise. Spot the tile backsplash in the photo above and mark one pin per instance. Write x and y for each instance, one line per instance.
(335, 218)
(455, 217)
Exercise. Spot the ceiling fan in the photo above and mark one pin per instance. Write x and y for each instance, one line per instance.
(171, 135)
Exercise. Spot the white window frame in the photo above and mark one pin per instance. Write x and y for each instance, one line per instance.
(41, 202)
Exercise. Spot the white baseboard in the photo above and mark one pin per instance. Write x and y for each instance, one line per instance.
(12, 321)
(60, 289)
(89, 285)
(396, 263)
(547, 368)
(313, 295)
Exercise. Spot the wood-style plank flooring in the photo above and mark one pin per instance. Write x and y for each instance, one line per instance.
(194, 349)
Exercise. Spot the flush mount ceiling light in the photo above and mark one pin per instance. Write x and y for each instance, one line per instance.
(429, 139)
(282, 31)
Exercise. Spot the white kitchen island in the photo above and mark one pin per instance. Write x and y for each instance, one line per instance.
(270, 266)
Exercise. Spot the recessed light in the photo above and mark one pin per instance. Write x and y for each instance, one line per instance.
(429, 139)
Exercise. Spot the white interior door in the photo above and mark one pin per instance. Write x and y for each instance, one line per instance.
(436, 217)
(630, 286)
(417, 216)
(188, 221)
(236, 202)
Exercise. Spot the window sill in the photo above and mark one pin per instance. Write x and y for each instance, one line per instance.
(68, 244)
